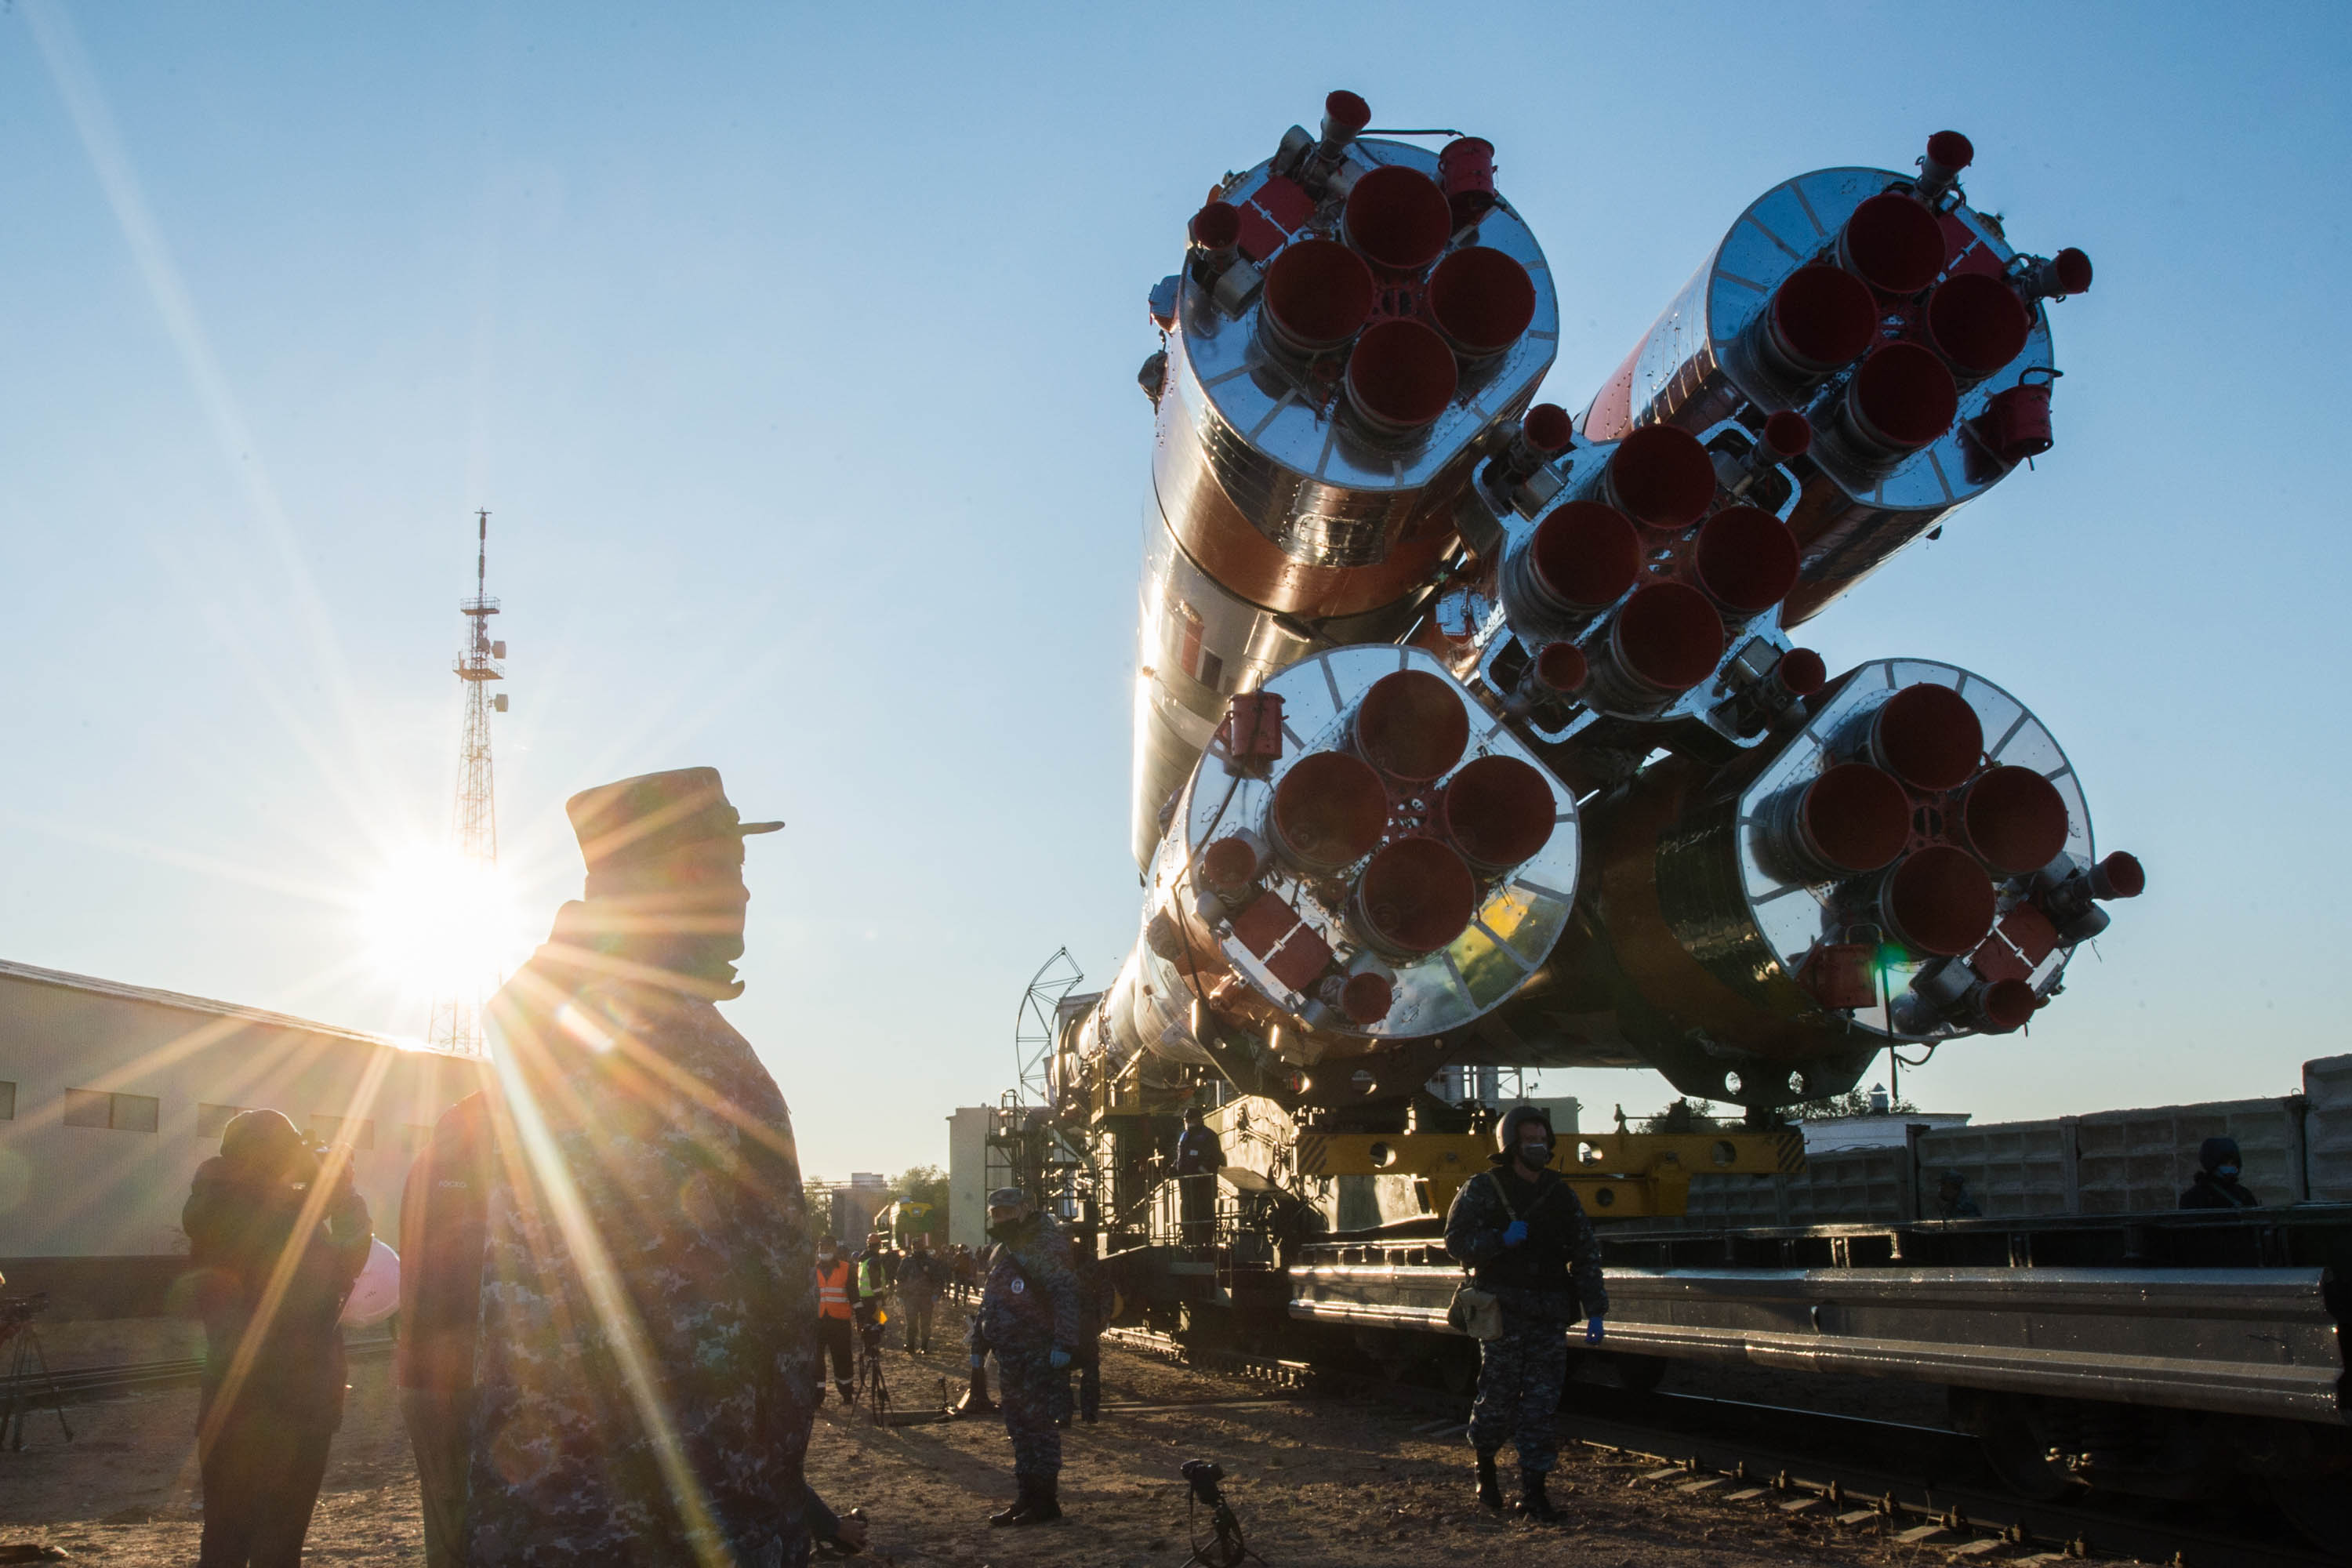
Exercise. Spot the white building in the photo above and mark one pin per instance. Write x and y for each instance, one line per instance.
(111, 1096)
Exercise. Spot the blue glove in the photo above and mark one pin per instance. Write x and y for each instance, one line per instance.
(1593, 1331)
(1059, 1359)
(1515, 1233)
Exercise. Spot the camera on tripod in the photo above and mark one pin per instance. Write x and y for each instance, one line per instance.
(1202, 1476)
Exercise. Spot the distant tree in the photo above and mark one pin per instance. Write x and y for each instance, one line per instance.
(926, 1185)
(1853, 1102)
(1683, 1115)
(819, 1197)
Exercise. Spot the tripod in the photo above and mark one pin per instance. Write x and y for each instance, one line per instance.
(29, 1383)
(1226, 1548)
(872, 1391)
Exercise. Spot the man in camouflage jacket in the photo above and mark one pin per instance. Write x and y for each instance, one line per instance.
(647, 1370)
(1525, 1237)
(1029, 1316)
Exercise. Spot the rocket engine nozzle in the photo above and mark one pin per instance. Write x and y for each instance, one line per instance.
(2014, 819)
(1928, 736)
(1821, 318)
(1901, 398)
(1480, 300)
(1948, 152)
(1328, 811)
(1318, 294)
(1397, 218)
(1413, 897)
(1977, 324)
(1411, 728)
(1937, 901)
(1215, 233)
(1498, 811)
(1662, 641)
(2054, 276)
(1399, 378)
(1660, 477)
(1853, 819)
(2118, 876)
(1893, 244)
(1746, 561)
(1579, 561)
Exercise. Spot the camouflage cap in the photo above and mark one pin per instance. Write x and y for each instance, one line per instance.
(635, 820)
(1008, 1198)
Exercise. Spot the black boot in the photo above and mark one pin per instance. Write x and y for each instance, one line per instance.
(1018, 1512)
(1533, 1504)
(1490, 1490)
(1044, 1501)
(849, 1391)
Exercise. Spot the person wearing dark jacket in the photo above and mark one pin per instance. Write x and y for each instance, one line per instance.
(1097, 1297)
(1029, 1317)
(1520, 1230)
(2217, 1186)
(1198, 1158)
(276, 1237)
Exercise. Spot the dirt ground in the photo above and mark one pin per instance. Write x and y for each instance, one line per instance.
(1316, 1480)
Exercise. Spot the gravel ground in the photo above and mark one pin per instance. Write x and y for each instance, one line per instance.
(1316, 1480)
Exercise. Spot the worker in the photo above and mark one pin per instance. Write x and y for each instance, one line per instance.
(271, 1394)
(875, 1265)
(1198, 1158)
(1952, 1200)
(2216, 1183)
(922, 1274)
(444, 1211)
(1095, 1299)
(649, 1341)
(1520, 1230)
(835, 1291)
(1029, 1317)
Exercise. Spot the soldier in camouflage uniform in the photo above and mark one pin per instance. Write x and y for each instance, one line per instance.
(1029, 1317)
(646, 1370)
(1521, 1231)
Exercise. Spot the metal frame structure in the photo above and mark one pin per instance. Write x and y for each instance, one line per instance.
(456, 1021)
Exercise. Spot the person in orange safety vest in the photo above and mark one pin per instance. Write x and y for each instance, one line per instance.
(835, 1291)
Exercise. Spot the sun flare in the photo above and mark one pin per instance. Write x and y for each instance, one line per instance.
(442, 926)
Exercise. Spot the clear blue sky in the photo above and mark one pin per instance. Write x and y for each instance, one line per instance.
(793, 350)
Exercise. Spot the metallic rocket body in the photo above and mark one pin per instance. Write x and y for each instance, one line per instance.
(1468, 733)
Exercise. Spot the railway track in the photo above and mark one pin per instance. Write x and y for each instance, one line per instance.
(1918, 1486)
(88, 1385)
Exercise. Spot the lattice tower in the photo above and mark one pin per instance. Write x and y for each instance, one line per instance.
(457, 1018)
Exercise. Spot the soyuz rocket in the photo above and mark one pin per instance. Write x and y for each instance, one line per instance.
(1472, 732)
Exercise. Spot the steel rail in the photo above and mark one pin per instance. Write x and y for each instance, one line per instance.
(1916, 1486)
(89, 1384)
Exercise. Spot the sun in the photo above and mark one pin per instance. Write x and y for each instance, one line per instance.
(441, 926)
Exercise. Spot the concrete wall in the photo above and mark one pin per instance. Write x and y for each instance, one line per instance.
(92, 1191)
(2327, 1128)
(2294, 1149)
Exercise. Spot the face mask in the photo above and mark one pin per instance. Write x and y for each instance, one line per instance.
(1536, 1155)
(2227, 1173)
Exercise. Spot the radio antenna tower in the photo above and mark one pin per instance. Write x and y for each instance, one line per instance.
(457, 1019)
